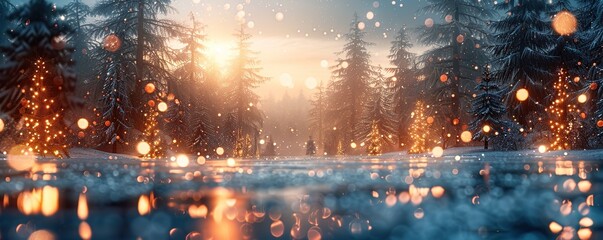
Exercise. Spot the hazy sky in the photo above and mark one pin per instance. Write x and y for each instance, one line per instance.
(292, 48)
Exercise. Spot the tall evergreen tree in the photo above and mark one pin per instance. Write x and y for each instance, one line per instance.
(405, 83)
(138, 22)
(115, 106)
(451, 66)
(350, 85)
(246, 117)
(487, 109)
(522, 42)
(5, 24)
(189, 109)
(317, 115)
(379, 114)
(80, 40)
(37, 79)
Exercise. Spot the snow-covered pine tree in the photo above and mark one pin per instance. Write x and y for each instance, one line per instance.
(243, 102)
(419, 129)
(451, 66)
(522, 41)
(191, 108)
(81, 42)
(317, 115)
(5, 24)
(378, 112)
(114, 103)
(405, 83)
(350, 86)
(37, 78)
(488, 110)
(149, 50)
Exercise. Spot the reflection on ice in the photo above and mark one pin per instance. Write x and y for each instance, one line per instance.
(463, 197)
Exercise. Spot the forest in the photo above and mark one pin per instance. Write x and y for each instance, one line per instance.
(508, 75)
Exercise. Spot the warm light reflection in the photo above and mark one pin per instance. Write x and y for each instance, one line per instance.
(50, 200)
(144, 205)
(85, 231)
(82, 207)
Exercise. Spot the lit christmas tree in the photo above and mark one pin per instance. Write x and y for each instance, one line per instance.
(561, 113)
(37, 78)
(151, 123)
(374, 146)
(419, 129)
(340, 150)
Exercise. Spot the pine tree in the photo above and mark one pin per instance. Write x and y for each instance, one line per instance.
(245, 116)
(350, 85)
(488, 110)
(419, 129)
(451, 66)
(148, 36)
(522, 41)
(405, 84)
(5, 24)
(378, 113)
(37, 78)
(115, 105)
(562, 114)
(317, 114)
(81, 42)
(193, 101)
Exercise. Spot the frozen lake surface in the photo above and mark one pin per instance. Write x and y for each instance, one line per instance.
(466, 194)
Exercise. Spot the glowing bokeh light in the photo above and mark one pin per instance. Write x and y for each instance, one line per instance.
(582, 98)
(82, 123)
(230, 162)
(466, 136)
(20, 158)
(311, 83)
(162, 106)
(279, 16)
(149, 88)
(565, 23)
(112, 43)
(220, 151)
(437, 152)
(542, 149)
(182, 160)
(143, 148)
(522, 94)
(200, 160)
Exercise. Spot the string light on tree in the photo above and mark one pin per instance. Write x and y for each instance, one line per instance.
(374, 147)
(43, 115)
(561, 113)
(419, 129)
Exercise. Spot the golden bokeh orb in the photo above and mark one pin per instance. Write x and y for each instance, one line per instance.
(486, 128)
(149, 88)
(112, 43)
(82, 123)
(466, 136)
(162, 106)
(437, 151)
(143, 148)
(522, 94)
(565, 23)
(20, 158)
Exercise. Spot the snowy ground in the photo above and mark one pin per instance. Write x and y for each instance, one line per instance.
(466, 194)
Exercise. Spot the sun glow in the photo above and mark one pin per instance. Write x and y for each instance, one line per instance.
(219, 53)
